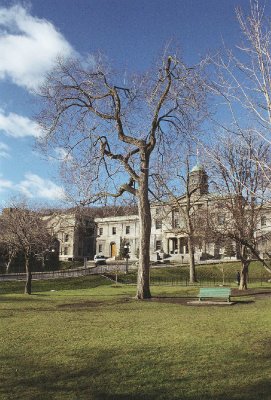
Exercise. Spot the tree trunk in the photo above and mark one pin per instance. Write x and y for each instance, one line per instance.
(192, 267)
(244, 274)
(28, 283)
(144, 211)
(11, 257)
(7, 266)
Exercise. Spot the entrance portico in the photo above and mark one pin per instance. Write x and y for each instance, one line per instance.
(177, 245)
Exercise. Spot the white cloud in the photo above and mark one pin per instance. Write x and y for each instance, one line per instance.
(18, 126)
(4, 150)
(34, 186)
(5, 184)
(28, 46)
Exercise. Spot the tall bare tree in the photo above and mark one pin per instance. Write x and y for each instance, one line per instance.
(241, 184)
(113, 130)
(185, 192)
(23, 231)
(243, 78)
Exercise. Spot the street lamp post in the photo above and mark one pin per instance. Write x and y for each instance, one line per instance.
(126, 255)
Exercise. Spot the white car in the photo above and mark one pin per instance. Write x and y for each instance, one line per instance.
(100, 259)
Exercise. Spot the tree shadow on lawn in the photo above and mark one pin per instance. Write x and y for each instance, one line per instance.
(98, 380)
(98, 377)
(9, 298)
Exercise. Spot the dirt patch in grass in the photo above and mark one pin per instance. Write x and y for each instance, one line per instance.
(91, 304)
(84, 304)
(172, 300)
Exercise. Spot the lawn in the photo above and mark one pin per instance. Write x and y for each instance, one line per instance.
(211, 274)
(91, 340)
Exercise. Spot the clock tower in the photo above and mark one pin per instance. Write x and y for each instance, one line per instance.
(198, 180)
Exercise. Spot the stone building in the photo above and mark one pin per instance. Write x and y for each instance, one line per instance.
(116, 231)
(81, 235)
(169, 229)
(75, 235)
(168, 235)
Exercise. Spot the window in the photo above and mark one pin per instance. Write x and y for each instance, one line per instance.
(100, 248)
(66, 251)
(100, 231)
(221, 219)
(158, 224)
(263, 220)
(114, 230)
(127, 230)
(175, 219)
(158, 245)
(66, 237)
(176, 223)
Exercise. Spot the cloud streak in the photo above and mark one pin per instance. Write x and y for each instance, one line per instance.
(5, 184)
(34, 187)
(18, 126)
(4, 150)
(28, 47)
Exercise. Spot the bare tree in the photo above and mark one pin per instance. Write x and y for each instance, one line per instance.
(113, 130)
(23, 231)
(241, 185)
(185, 192)
(243, 79)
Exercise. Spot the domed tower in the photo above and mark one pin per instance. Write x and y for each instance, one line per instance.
(198, 180)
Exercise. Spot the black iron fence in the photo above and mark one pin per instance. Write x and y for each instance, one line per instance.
(112, 270)
(69, 273)
(205, 281)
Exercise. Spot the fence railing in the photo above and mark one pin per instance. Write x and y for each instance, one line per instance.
(204, 281)
(69, 273)
(113, 269)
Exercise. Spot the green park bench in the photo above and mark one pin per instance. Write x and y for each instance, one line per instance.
(214, 293)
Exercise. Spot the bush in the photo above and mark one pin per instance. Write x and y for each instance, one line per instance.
(206, 256)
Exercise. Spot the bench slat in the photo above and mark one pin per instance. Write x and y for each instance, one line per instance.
(214, 293)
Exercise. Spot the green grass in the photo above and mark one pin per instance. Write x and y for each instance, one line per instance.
(92, 340)
(205, 273)
(84, 282)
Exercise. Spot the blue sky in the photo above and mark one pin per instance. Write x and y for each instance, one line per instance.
(131, 33)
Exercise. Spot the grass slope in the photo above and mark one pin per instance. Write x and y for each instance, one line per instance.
(94, 341)
(205, 273)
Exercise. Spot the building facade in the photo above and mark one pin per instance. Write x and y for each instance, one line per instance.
(82, 235)
(75, 235)
(168, 233)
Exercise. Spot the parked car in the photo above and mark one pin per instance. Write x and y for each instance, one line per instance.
(100, 259)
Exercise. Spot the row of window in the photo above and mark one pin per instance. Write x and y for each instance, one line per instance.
(176, 224)
(114, 230)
